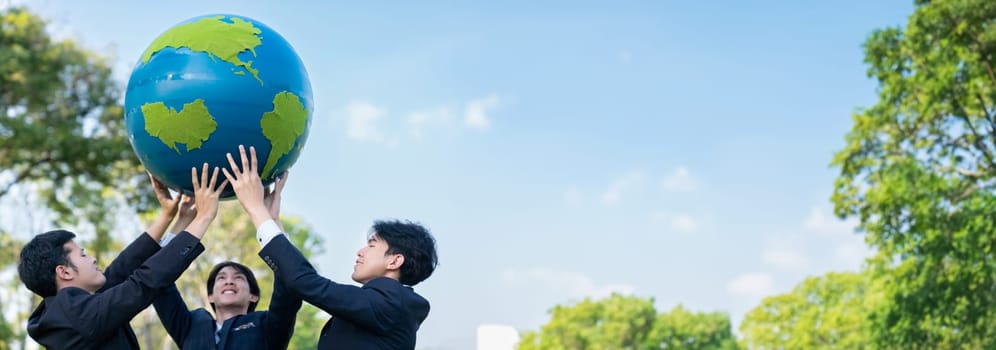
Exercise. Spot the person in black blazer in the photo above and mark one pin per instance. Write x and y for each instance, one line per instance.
(85, 309)
(233, 293)
(385, 313)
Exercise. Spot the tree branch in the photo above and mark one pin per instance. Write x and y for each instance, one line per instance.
(961, 113)
(24, 173)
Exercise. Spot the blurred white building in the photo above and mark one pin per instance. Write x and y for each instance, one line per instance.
(496, 337)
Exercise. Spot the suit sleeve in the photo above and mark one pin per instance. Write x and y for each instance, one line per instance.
(368, 308)
(174, 314)
(129, 259)
(280, 318)
(100, 315)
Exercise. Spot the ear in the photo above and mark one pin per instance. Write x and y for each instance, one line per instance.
(65, 273)
(396, 261)
(253, 298)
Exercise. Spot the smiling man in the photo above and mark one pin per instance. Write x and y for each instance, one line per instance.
(233, 293)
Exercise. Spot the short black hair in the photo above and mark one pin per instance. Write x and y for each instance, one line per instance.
(38, 259)
(250, 277)
(414, 242)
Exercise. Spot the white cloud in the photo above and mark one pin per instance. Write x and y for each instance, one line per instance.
(821, 221)
(575, 284)
(785, 258)
(418, 121)
(849, 248)
(614, 193)
(683, 223)
(678, 222)
(679, 181)
(362, 121)
(751, 285)
(476, 112)
(625, 57)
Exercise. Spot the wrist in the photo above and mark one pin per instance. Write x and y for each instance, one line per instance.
(198, 226)
(259, 216)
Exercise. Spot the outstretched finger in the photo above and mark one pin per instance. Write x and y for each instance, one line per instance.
(235, 167)
(221, 186)
(281, 181)
(204, 175)
(252, 152)
(245, 160)
(214, 177)
(228, 176)
(193, 178)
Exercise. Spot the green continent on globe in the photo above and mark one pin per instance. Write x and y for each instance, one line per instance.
(191, 126)
(215, 37)
(282, 126)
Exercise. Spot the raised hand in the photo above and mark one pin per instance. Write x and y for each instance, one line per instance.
(187, 212)
(165, 198)
(247, 185)
(206, 195)
(271, 198)
(169, 206)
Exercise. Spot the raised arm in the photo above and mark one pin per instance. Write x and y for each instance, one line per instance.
(101, 314)
(147, 243)
(365, 307)
(280, 318)
(174, 314)
(284, 305)
(173, 311)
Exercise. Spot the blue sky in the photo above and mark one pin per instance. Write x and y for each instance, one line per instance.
(674, 150)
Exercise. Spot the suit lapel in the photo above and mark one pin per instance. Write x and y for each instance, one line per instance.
(225, 330)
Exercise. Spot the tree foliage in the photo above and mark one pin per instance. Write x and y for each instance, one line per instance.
(626, 322)
(824, 312)
(918, 170)
(62, 133)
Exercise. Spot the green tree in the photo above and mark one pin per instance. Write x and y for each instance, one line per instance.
(233, 237)
(683, 329)
(9, 248)
(918, 171)
(63, 145)
(824, 312)
(626, 322)
(62, 132)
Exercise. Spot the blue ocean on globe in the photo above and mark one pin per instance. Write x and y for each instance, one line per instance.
(212, 83)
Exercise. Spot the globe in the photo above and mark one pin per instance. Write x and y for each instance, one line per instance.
(212, 83)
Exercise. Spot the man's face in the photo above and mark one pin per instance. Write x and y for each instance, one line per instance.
(231, 290)
(86, 274)
(372, 260)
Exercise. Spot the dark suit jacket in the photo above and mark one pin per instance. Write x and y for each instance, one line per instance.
(76, 319)
(383, 314)
(255, 330)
